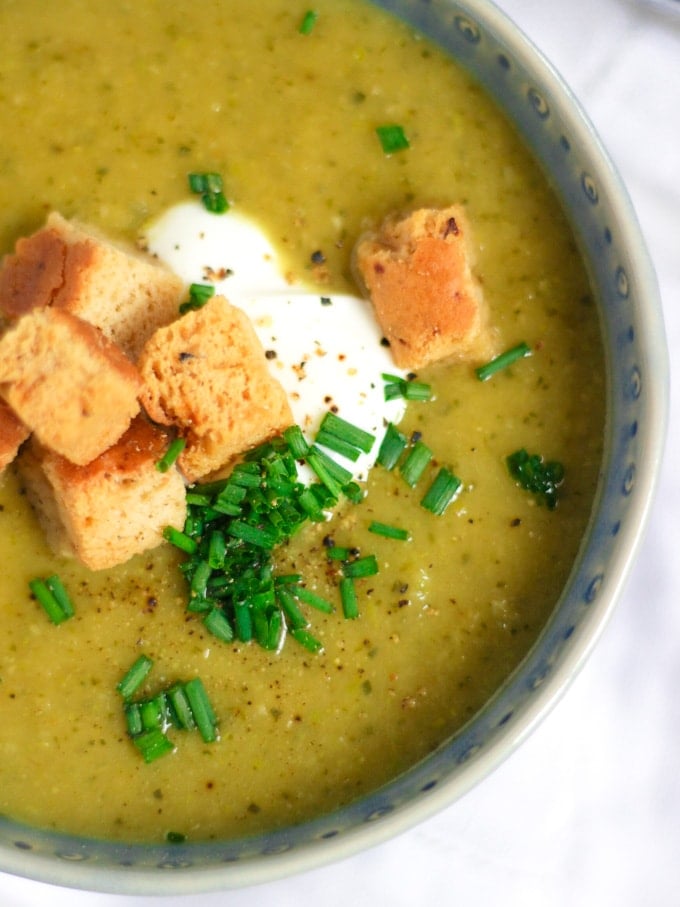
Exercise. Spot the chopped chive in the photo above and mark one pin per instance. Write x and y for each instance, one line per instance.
(337, 472)
(133, 719)
(217, 549)
(180, 540)
(362, 567)
(201, 709)
(61, 596)
(341, 428)
(169, 458)
(417, 390)
(210, 187)
(305, 638)
(179, 703)
(45, 598)
(243, 621)
(215, 202)
(199, 580)
(217, 623)
(296, 442)
(392, 447)
(388, 532)
(199, 294)
(407, 388)
(484, 372)
(441, 492)
(134, 677)
(276, 631)
(254, 535)
(353, 492)
(537, 476)
(313, 600)
(348, 598)
(308, 22)
(337, 445)
(152, 712)
(415, 463)
(317, 463)
(294, 616)
(153, 744)
(337, 553)
(392, 138)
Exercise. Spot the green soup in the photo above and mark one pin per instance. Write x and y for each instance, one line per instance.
(104, 109)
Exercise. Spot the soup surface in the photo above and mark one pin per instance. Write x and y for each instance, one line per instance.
(104, 109)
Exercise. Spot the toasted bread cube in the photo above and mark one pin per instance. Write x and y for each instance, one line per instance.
(417, 271)
(123, 292)
(113, 508)
(207, 375)
(67, 383)
(13, 433)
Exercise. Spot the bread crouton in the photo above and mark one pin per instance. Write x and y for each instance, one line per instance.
(113, 508)
(67, 383)
(207, 375)
(417, 271)
(123, 292)
(13, 433)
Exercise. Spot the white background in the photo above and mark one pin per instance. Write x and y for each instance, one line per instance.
(587, 811)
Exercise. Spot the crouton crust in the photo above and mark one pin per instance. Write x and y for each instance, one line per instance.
(207, 375)
(417, 269)
(13, 433)
(67, 383)
(111, 509)
(125, 293)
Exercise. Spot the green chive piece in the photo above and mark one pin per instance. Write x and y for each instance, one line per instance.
(243, 621)
(296, 442)
(201, 709)
(217, 623)
(348, 598)
(305, 638)
(217, 549)
(337, 445)
(541, 478)
(49, 603)
(133, 719)
(180, 540)
(392, 447)
(310, 598)
(308, 22)
(254, 535)
(362, 567)
(153, 744)
(408, 388)
(353, 492)
(134, 677)
(392, 138)
(352, 434)
(199, 294)
(61, 596)
(484, 372)
(441, 492)
(389, 532)
(415, 463)
(170, 456)
(210, 187)
(179, 703)
(294, 616)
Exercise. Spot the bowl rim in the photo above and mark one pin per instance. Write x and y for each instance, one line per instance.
(186, 879)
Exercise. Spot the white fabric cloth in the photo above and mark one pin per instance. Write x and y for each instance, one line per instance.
(587, 811)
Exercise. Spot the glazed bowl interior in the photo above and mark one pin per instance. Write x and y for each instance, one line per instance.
(524, 85)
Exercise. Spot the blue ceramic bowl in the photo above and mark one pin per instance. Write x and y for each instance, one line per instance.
(480, 37)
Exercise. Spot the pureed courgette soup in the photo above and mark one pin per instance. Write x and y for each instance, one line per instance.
(104, 109)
